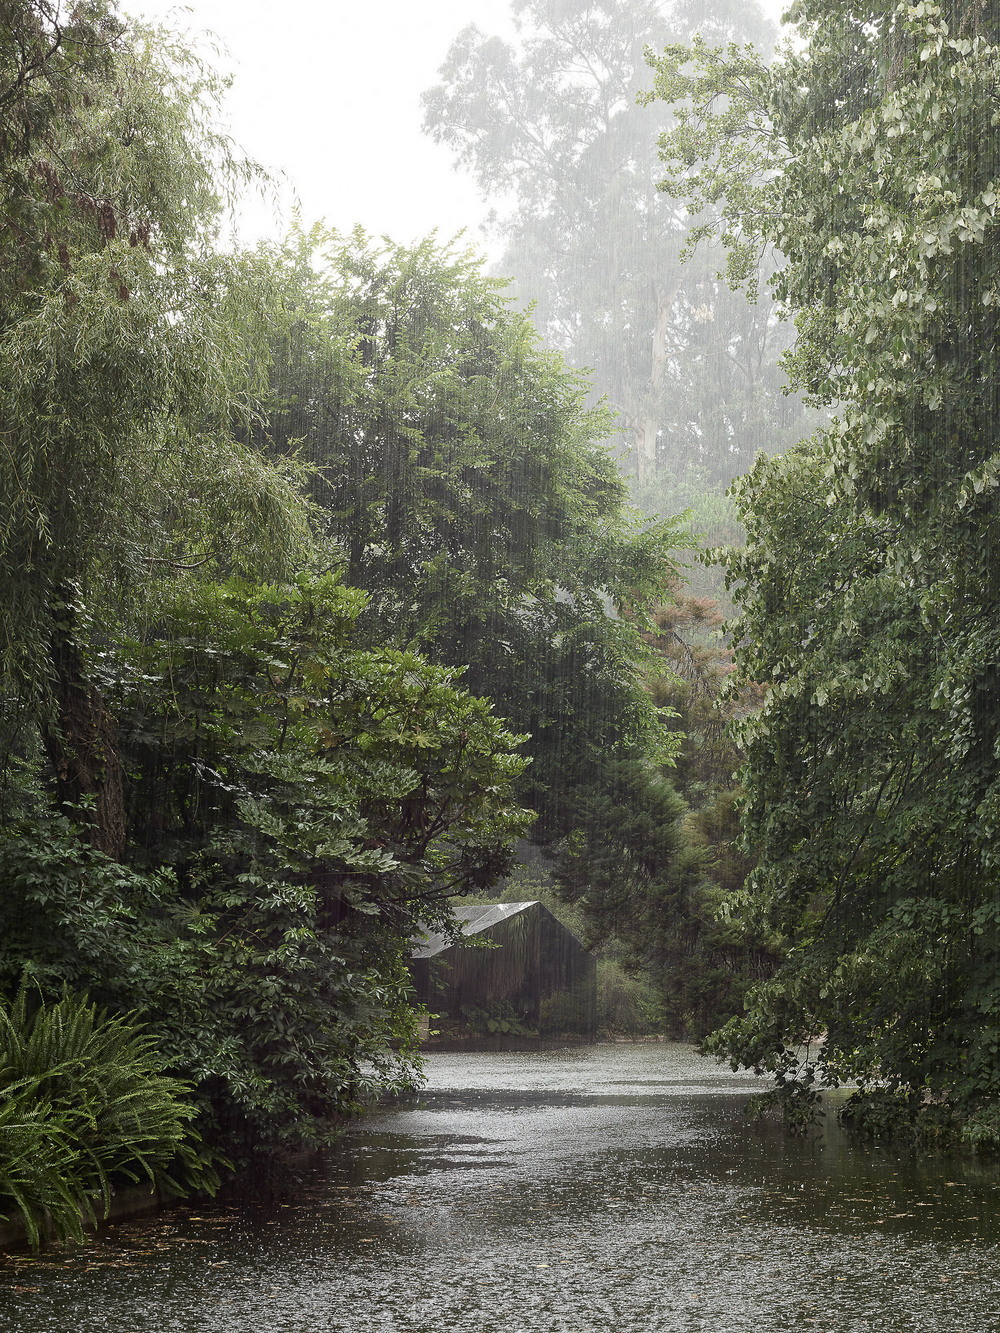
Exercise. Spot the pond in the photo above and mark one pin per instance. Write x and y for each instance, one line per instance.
(607, 1188)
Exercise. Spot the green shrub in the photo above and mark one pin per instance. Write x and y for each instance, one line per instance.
(982, 1129)
(83, 1109)
(498, 1018)
(903, 1115)
(627, 1004)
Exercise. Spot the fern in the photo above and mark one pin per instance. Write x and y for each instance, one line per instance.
(84, 1108)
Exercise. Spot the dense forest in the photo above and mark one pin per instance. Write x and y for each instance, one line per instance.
(335, 586)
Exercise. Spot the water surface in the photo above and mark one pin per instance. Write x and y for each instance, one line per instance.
(592, 1190)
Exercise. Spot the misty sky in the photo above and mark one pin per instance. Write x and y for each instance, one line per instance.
(328, 93)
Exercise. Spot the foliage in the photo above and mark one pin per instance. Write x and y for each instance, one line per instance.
(225, 802)
(120, 367)
(796, 1100)
(723, 150)
(216, 809)
(628, 1001)
(550, 129)
(47, 57)
(104, 231)
(467, 483)
(898, 1114)
(499, 1019)
(85, 1106)
(300, 744)
(671, 955)
(229, 785)
(296, 804)
(704, 959)
(867, 587)
(982, 1128)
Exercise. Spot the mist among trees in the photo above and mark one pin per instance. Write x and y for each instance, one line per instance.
(331, 586)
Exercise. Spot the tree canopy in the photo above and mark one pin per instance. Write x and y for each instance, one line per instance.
(296, 804)
(324, 590)
(867, 586)
(468, 484)
(121, 366)
(222, 807)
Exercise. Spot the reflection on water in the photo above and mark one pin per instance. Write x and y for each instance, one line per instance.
(580, 1191)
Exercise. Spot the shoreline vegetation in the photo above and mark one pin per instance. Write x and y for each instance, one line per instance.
(326, 603)
(322, 591)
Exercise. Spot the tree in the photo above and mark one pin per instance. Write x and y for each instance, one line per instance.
(469, 488)
(217, 809)
(298, 803)
(664, 903)
(705, 958)
(867, 586)
(688, 366)
(47, 58)
(120, 370)
(467, 483)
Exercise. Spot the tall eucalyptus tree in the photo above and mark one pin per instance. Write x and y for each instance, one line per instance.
(550, 128)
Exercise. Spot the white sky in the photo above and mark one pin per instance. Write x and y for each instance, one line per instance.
(328, 93)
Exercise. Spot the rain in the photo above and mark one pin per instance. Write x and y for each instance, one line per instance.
(499, 770)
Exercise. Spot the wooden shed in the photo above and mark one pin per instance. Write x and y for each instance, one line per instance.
(515, 972)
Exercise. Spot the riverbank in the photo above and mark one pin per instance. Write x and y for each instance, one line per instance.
(611, 1189)
(479, 1042)
(134, 1202)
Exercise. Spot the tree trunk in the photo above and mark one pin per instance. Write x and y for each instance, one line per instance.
(645, 425)
(645, 431)
(82, 743)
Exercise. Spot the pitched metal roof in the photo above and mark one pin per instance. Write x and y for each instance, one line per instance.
(470, 921)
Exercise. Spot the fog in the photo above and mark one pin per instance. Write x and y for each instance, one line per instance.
(327, 97)
(329, 102)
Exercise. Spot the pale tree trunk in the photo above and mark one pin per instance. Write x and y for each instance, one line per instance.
(644, 434)
(645, 425)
